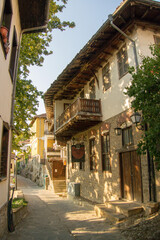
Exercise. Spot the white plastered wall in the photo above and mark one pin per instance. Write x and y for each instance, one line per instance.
(6, 87)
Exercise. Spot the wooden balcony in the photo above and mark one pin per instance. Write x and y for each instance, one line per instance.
(79, 116)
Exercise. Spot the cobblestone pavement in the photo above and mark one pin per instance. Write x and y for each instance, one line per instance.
(52, 217)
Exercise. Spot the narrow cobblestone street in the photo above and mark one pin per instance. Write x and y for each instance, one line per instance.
(52, 217)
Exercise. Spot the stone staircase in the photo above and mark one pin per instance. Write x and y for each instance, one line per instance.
(119, 211)
(124, 211)
(59, 186)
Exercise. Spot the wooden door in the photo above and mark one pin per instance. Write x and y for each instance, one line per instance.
(131, 184)
(126, 180)
(137, 179)
(58, 170)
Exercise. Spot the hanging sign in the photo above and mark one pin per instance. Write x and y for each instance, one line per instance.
(78, 153)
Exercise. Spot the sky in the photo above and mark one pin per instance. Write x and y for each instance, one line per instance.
(88, 15)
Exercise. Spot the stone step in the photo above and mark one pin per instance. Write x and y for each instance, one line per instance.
(102, 211)
(151, 207)
(59, 186)
(126, 208)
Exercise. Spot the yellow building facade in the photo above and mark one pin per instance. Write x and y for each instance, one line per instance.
(42, 141)
(37, 140)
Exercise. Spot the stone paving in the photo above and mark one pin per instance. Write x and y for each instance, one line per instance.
(51, 217)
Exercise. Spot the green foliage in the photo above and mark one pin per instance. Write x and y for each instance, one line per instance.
(18, 202)
(33, 49)
(145, 90)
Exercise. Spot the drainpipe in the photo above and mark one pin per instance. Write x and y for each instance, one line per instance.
(110, 18)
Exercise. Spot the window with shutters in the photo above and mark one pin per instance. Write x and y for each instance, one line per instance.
(105, 144)
(92, 152)
(13, 62)
(4, 152)
(6, 25)
(122, 58)
(127, 137)
(157, 40)
(106, 77)
(92, 90)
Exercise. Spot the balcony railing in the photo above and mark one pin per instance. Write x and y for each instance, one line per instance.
(49, 149)
(86, 109)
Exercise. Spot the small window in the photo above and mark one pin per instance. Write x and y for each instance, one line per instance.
(6, 23)
(106, 77)
(93, 162)
(13, 62)
(4, 153)
(81, 165)
(73, 165)
(157, 40)
(127, 137)
(82, 94)
(122, 61)
(7, 14)
(105, 141)
(92, 90)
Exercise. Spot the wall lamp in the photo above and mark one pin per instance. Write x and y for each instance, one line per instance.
(136, 119)
(118, 131)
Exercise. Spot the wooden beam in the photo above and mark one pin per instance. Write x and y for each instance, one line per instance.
(123, 20)
(145, 13)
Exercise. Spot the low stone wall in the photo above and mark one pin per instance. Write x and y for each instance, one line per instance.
(3, 220)
(18, 214)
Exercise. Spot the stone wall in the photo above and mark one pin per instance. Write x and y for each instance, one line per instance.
(35, 171)
(101, 186)
(3, 220)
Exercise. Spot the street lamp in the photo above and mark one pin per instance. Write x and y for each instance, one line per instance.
(135, 118)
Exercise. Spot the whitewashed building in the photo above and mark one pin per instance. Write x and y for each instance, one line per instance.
(88, 104)
(18, 17)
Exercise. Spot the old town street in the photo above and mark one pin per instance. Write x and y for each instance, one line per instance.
(53, 217)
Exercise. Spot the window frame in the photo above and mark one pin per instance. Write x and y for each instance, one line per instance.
(92, 154)
(122, 60)
(106, 73)
(4, 149)
(92, 89)
(105, 153)
(6, 22)
(82, 94)
(13, 56)
(157, 40)
(82, 166)
(127, 131)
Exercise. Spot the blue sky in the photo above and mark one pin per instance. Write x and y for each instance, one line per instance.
(88, 15)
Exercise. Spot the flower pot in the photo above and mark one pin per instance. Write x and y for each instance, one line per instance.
(4, 32)
(5, 40)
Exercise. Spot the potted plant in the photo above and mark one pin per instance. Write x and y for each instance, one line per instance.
(4, 32)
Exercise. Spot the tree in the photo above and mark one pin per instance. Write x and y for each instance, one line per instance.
(33, 49)
(145, 91)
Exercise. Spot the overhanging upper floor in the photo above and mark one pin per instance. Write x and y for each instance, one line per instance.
(33, 14)
(79, 116)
